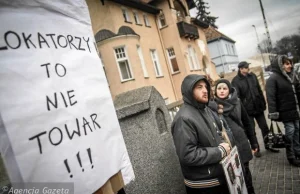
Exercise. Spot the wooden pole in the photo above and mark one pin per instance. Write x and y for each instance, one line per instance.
(113, 185)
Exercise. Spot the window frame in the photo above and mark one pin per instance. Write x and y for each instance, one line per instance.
(136, 17)
(169, 51)
(142, 60)
(233, 50)
(193, 59)
(125, 14)
(146, 20)
(121, 60)
(157, 65)
(228, 49)
(159, 20)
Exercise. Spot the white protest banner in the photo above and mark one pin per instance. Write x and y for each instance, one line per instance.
(57, 120)
(234, 173)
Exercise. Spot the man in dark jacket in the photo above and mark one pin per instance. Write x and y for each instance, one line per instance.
(283, 96)
(198, 144)
(252, 97)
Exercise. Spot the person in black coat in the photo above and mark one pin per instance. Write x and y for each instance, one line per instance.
(198, 144)
(251, 96)
(238, 121)
(283, 91)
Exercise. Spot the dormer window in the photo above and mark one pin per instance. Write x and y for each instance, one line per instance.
(125, 15)
(162, 20)
(146, 20)
(181, 11)
(136, 17)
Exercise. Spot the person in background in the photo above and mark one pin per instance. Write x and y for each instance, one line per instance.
(198, 144)
(283, 91)
(251, 96)
(238, 121)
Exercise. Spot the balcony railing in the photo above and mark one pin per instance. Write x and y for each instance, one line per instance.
(187, 30)
(174, 108)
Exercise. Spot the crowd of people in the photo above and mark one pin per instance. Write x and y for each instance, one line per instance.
(197, 128)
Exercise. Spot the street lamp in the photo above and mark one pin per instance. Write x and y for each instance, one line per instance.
(262, 57)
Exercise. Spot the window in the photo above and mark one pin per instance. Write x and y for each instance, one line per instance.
(193, 59)
(156, 63)
(173, 61)
(228, 49)
(233, 51)
(146, 20)
(136, 17)
(162, 20)
(125, 15)
(204, 65)
(180, 10)
(123, 64)
(139, 50)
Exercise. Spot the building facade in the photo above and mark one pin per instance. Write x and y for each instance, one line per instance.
(222, 50)
(149, 43)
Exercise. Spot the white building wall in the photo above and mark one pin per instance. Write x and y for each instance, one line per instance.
(223, 56)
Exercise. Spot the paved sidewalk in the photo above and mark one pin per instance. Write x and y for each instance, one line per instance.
(272, 174)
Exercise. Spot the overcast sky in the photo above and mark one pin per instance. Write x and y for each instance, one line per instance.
(236, 18)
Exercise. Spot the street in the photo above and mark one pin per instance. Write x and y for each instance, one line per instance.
(272, 174)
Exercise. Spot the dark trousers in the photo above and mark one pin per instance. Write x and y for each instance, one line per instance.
(292, 139)
(262, 123)
(248, 178)
(222, 189)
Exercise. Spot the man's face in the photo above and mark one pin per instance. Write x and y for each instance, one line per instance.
(200, 92)
(244, 70)
(287, 66)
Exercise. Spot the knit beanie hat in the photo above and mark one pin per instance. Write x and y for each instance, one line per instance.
(225, 81)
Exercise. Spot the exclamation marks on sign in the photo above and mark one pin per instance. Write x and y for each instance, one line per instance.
(79, 160)
(67, 166)
(90, 157)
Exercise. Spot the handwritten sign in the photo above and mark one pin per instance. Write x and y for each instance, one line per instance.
(233, 172)
(57, 115)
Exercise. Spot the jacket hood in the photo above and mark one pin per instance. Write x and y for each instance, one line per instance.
(187, 87)
(228, 103)
(277, 66)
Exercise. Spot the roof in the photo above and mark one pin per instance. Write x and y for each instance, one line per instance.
(146, 5)
(125, 30)
(106, 34)
(103, 35)
(212, 35)
(199, 23)
(139, 4)
(191, 4)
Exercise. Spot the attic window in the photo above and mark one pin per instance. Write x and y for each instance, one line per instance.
(136, 17)
(146, 20)
(181, 10)
(162, 20)
(125, 15)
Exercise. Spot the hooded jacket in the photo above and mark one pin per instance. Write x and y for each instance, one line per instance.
(283, 92)
(250, 93)
(196, 139)
(238, 120)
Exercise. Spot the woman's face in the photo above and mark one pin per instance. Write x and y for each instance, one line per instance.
(222, 91)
